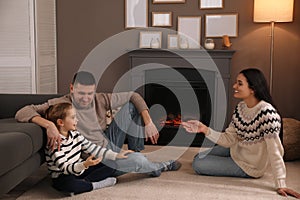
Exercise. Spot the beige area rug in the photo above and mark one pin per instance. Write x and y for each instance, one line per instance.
(182, 184)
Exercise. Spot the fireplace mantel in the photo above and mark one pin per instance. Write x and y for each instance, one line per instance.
(217, 62)
(188, 52)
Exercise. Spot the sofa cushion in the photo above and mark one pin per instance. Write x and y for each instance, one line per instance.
(11, 103)
(15, 148)
(33, 131)
(18, 142)
(21, 144)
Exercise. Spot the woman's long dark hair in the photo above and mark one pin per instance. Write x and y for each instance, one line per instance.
(257, 82)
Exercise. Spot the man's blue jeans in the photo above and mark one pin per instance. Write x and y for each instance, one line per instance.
(217, 162)
(128, 123)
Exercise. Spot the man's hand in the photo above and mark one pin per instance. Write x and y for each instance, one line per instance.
(286, 191)
(53, 137)
(151, 132)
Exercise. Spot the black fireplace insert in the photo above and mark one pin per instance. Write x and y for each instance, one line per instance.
(183, 97)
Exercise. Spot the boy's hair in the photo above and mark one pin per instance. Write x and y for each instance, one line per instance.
(57, 111)
(84, 78)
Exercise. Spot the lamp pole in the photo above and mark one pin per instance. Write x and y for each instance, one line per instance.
(273, 11)
(271, 56)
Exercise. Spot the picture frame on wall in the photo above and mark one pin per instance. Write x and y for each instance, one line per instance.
(168, 1)
(136, 14)
(189, 30)
(211, 4)
(217, 25)
(173, 41)
(150, 39)
(161, 18)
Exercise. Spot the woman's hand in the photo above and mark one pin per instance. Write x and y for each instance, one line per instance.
(123, 154)
(91, 161)
(286, 191)
(194, 126)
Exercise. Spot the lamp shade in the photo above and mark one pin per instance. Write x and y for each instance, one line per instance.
(273, 10)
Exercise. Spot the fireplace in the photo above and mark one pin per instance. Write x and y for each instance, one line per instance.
(162, 90)
(166, 79)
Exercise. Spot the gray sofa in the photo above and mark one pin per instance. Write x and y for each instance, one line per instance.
(21, 144)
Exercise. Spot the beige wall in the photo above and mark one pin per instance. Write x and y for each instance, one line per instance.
(82, 25)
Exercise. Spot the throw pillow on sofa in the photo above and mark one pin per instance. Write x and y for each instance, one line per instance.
(291, 139)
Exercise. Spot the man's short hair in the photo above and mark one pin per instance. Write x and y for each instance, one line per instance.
(84, 78)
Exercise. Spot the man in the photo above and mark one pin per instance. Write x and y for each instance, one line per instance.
(92, 111)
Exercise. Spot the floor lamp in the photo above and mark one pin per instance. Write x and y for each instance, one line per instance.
(273, 11)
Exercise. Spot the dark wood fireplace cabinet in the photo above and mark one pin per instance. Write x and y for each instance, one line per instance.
(180, 85)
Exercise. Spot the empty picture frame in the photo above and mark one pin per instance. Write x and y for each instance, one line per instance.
(173, 40)
(136, 13)
(150, 39)
(189, 27)
(210, 4)
(168, 1)
(217, 25)
(161, 18)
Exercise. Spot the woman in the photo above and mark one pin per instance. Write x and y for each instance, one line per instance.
(251, 141)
